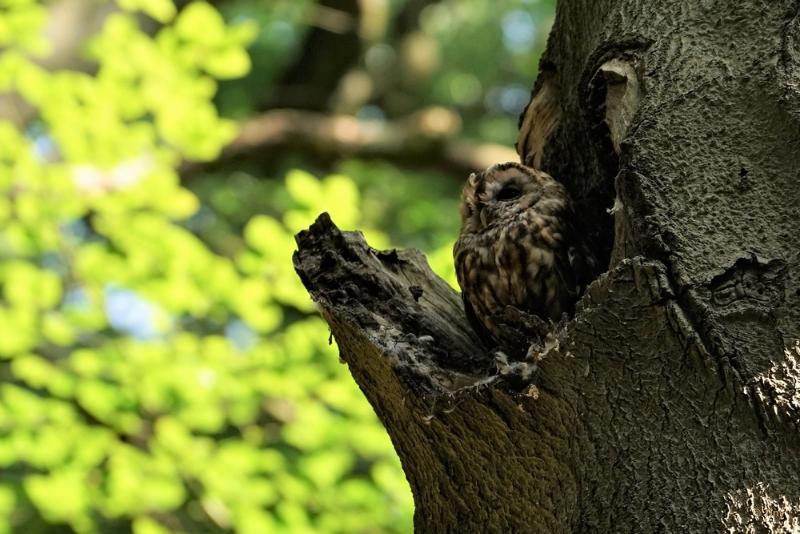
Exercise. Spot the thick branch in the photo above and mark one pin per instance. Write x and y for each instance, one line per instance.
(462, 437)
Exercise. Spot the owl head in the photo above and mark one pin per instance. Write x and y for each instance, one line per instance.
(498, 194)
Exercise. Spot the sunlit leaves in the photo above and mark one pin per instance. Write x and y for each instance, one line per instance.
(18, 332)
(270, 258)
(26, 290)
(61, 495)
(336, 194)
(167, 77)
(151, 380)
(7, 504)
(129, 470)
(216, 47)
(21, 22)
(25, 285)
(41, 374)
(161, 10)
(441, 261)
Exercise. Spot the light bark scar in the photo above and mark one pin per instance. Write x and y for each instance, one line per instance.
(622, 98)
(540, 118)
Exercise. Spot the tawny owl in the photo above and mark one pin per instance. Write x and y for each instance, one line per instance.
(518, 247)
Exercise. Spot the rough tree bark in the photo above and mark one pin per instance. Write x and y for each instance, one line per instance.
(671, 401)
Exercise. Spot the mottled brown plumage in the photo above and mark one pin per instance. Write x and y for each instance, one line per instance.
(517, 247)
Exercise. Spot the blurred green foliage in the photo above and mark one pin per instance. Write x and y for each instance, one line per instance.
(150, 382)
(163, 368)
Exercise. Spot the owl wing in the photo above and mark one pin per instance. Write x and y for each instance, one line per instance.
(583, 265)
(576, 266)
(576, 261)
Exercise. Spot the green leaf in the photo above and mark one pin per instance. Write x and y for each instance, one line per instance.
(60, 496)
(200, 22)
(161, 10)
(25, 285)
(262, 232)
(304, 187)
(228, 63)
(325, 468)
(39, 373)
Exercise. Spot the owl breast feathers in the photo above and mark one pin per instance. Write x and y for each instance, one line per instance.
(518, 247)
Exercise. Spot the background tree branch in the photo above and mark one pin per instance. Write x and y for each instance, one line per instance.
(429, 136)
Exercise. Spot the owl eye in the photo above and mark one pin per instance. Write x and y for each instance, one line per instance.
(509, 192)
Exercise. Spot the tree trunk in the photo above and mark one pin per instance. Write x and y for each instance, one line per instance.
(670, 402)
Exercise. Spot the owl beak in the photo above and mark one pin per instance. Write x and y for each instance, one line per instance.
(482, 215)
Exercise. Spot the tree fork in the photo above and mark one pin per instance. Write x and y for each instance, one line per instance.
(669, 402)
